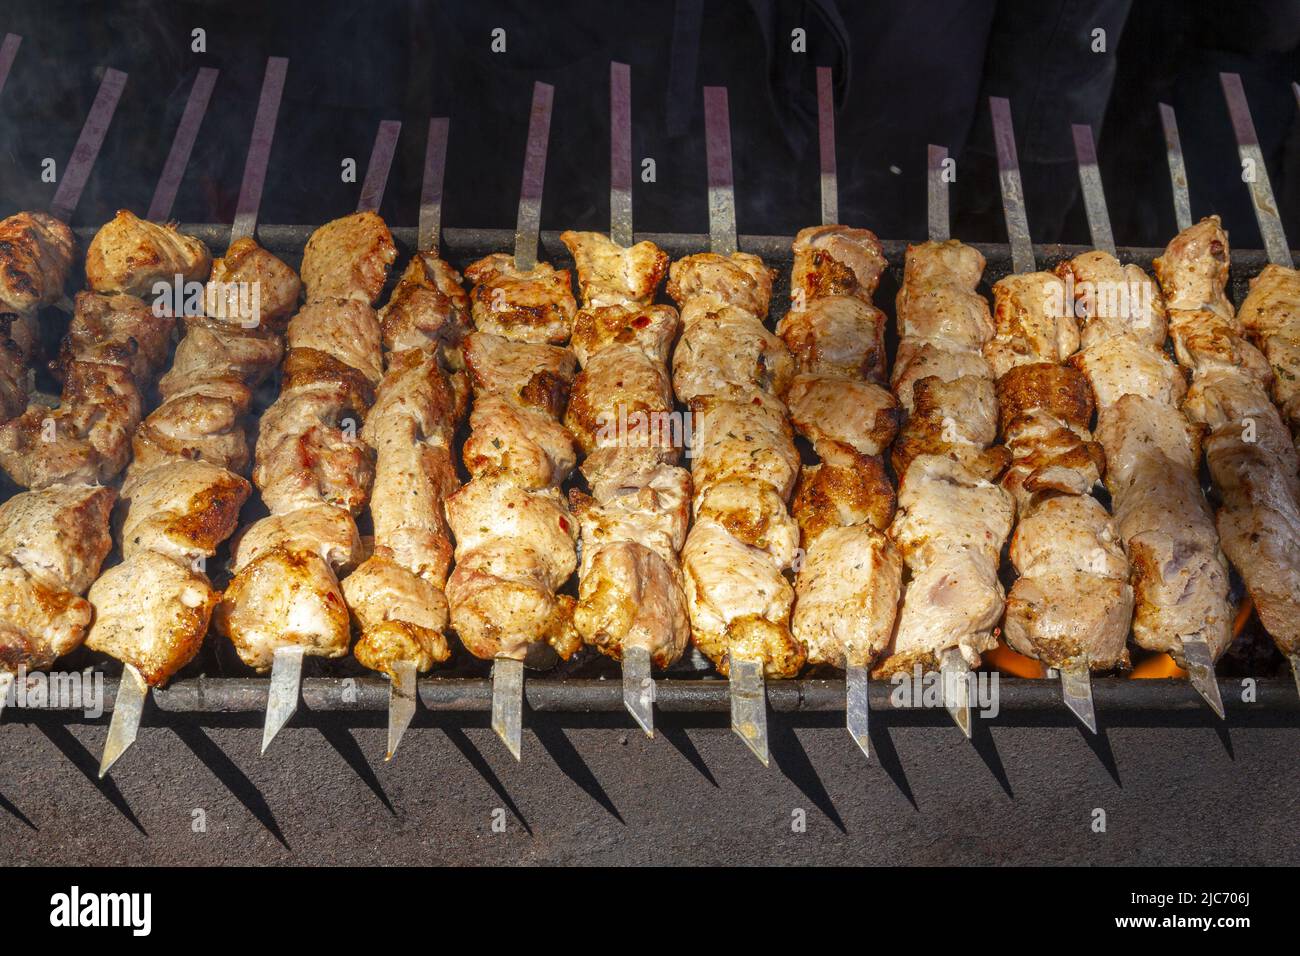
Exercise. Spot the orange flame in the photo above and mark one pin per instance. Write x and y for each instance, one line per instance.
(1157, 666)
(1243, 615)
(1002, 658)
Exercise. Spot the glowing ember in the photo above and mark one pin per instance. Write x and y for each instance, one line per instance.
(1003, 658)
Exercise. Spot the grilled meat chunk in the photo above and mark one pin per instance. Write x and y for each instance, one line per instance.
(348, 258)
(130, 255)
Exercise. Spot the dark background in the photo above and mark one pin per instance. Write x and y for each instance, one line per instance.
(907, 72)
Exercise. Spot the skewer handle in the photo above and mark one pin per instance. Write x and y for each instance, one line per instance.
(259, 148)
(435, 168)
(381, 161)
(620, 153)
(722, 193)
(1013, 193)
(1252, 159)
(1094, 195)
(84, 154)
(826, 146)
(529, 223)
(936, 205)
(8, 50)
(164, 194)
(1177, 168)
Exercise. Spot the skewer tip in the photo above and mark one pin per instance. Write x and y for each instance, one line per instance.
(125, 723)
(857, 707)
(749, 706)
(401, 704)
(282, 699)
(1076, 689)
(508, 703)
(1200, 671)
(955, 674)
(639, 687)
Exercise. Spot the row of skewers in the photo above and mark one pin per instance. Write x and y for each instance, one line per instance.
(763, 563)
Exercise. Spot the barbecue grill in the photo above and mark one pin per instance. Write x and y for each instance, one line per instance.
(1022, 758)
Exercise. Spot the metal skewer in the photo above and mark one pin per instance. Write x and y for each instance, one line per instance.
(8, 51)
(286, 666)
(857, 707)
(84, 154)
(1261, 190)
(747, 685)
(164, 194)
(638, 679)
(1196, 649)
(128, 708)
(1075, 677)
(529, 222)
(507, 672)
(620, 154)
(953, 670)
(435, 167)
(1177, 168)
(259, 148)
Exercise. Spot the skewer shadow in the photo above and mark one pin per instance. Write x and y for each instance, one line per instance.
(568, 759)
(681, 740)
(885, 753)
(88, 764)
(792, 759)
(341, 739)
(982, 739)
(1225, 737)
(17, 814)
(1100, 745)
(461, 742)
(228, 773)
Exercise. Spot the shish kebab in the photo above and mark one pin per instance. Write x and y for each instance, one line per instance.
(1072, 604)
(516, 540)
(396, 595)
(953, 517)
(1152, 450)
(185, 485)
(54, 538)
(311, 467)
(850, 578)
(729, 370)
(631, 598)
(1251, 457)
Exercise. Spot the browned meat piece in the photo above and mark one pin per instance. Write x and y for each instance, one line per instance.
(87, 439)
(846, 489)
(347, 330)
(427, 310)
(348, 258)
(609, 274)
(181, 509)
(130, 255)
(284, 597)
(839, 336)
(523, 373)
(709, 282)
(534, 306)
(621, 397)
(726, 350)
(251, 288)
(36, 253)
(52, 543)
(58, 535)
(828, 409)
(1271, 317)
(834, 261)
(651, 329)
(116, 330)
(151, 613)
